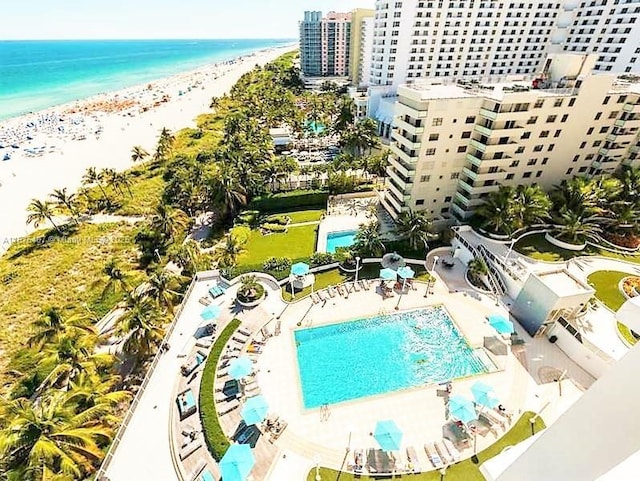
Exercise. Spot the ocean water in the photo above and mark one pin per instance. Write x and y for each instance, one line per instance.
(35, 75)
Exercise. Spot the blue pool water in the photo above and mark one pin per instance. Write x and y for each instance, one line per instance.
(365, 357)
(344, 238)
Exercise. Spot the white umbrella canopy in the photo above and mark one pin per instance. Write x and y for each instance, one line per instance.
(629, 314)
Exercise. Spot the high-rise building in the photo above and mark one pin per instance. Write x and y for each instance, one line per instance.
(361, 45)
(324, 44)
(414, 39)
(455, 142)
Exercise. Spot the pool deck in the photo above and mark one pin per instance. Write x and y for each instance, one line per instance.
(419, 412)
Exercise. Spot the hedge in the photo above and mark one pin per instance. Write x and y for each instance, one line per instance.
(283, 201)
(217, 441)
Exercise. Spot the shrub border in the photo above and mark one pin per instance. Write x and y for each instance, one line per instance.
(216, 440)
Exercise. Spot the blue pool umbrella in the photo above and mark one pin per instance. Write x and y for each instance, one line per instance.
(240, 367)
(388, 435)
(210, 313)
(406, 272)
(501, 324)
(237, 462)
(300, 269)
(254, 410)
(484, 395)
(461, 408)
(388, 274)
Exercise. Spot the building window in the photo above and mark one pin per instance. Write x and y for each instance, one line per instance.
(606, 100)
(551, 118)
(544, 134)
(539, 173)
(447, 198)
(590, 131)
(462, 148)
(466, 134)
(471, 119)
(564, 117)
(576, 158)
(437, 121)
(455, 175)
(433, 137)
(538, 148)
(430, 152)
(597, 143)
(532, 120)
(613, 115)
(526, 175)
(510, 176)
(532, 161)
(544, 161)
(520, 149)
(557, 103)
(572, 101)
(598, 115)
(420, 202)
(550, 148)
(603, 130)
(538, 105)
(525, 135)
(557, 133)
(569, 170)
(425, 178)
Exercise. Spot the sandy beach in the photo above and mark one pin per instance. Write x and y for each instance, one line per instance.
(100, 132)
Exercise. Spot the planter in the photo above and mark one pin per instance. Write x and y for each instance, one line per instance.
(348, 269)
(564, 245)
(632, 284)
(473, 286)
(251, 303)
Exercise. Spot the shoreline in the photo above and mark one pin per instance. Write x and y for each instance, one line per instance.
(81, 134)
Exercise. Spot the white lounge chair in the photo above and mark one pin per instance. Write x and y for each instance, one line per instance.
(433, 456)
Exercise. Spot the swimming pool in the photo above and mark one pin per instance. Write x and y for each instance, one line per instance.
(365, 357)
(344, 238)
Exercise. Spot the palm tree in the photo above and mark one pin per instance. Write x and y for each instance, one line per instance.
(140, 327)
(71, 353)
(497, 211)
(162, 287)
(63, 199)
(575, 225)
(52, 323)
(123, 179)
(49, 439)
(116, 279)
(478, 267)
(215, 103)
(362, 136)
(368, 241)
(531, 206)
(415, 227)
(169, 221)
(345, 116)
(629, 178)
(227, 192)
(227, 254)
(138, 154)
(91, 177)
(39, 212)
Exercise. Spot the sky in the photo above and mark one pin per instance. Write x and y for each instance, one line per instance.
(132, 19)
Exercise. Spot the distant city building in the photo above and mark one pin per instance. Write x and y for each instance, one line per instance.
(361, 45)
(455, 142)
(474, 39)
(324, 44)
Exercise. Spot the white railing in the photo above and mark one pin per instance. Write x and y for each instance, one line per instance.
(136, 400)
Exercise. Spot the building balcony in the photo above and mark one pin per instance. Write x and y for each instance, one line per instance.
(461, 198)
(408, 143)
(483, 130)
(474, 160)
(402, 125)
(489, 114)
(634, 108)
(391, 206)
(470, 173)
(406, 170)
(628, 123)
(405, 157)
(615, 151)
(404, 184)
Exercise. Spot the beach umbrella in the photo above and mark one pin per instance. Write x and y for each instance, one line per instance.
(210, 313)
(461, 408)
(240, 367)
(501, 324)
(388, 435)
(406, 272)
(484, 395)
(392, 260)
(388, 274)
(237, 462)
(300, 269)
(254, 410)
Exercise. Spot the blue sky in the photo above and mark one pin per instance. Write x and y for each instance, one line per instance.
(90, 19)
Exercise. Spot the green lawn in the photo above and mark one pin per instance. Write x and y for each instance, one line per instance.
(147, 189)
(464, 471)
(536, 247)
(65, 272)
(304, 215)
(606, 285)
(298, 243)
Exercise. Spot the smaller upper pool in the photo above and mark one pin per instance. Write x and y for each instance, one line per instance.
(345, 238)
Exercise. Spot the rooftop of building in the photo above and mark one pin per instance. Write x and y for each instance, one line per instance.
(563, 283)
(499, 88)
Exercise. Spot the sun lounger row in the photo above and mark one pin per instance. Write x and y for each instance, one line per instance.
(217, 290)
(226, 409)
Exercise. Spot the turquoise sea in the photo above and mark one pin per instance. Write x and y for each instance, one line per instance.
(38, 74)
